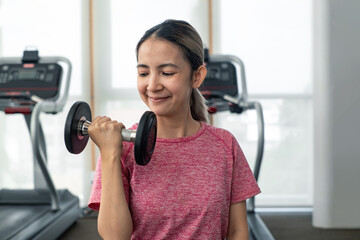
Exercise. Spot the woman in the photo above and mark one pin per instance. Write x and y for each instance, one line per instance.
(198, 180)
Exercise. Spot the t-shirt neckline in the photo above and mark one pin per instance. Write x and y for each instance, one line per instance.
(184, 139)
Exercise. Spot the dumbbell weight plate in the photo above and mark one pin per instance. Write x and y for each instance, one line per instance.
(75, 143)
(145, 134)
(145, 138)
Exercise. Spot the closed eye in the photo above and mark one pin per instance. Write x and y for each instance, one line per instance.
(143, 74)
(167, 74)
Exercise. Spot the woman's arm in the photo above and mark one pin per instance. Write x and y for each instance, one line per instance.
(238, 227)
(114, 220)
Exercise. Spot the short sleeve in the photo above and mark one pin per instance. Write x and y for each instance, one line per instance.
(244, 185)
(95, 196)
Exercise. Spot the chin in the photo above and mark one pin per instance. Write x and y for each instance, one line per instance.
(161, 112)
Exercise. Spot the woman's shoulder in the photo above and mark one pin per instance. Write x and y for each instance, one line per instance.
(221, 134)
(218, 131)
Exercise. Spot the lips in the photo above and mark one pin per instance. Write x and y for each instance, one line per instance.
(157, 99)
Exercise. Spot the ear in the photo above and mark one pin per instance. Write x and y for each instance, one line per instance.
(199, 76)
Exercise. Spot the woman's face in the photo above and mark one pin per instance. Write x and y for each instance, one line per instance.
(164, 78)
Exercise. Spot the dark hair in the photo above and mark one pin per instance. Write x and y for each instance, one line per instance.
(188, 39)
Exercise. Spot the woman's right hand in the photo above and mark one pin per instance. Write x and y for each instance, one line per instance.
(106, 134)
(114, 220)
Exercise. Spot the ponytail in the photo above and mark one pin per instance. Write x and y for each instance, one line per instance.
(198, 107)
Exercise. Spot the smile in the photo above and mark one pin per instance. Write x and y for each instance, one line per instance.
(158, 99)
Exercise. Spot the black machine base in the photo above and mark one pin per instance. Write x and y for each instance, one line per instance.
(38, 221)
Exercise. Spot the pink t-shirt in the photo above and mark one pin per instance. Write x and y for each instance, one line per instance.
(186, 190)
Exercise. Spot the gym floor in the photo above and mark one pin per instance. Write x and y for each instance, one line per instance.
(283, 226)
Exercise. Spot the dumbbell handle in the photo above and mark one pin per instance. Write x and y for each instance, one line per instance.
(127, 135)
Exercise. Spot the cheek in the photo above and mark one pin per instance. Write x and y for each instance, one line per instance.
(183, 91)
(141, 87)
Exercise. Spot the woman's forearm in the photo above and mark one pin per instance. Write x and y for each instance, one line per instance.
(114, 221)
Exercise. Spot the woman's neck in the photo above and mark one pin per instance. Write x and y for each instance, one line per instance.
(175, 127)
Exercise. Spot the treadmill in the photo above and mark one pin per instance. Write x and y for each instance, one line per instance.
(223, 93)
(32, 85)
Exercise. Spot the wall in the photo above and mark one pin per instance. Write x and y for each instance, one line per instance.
(337, 114)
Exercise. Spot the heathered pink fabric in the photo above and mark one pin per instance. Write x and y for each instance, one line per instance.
(186, 190)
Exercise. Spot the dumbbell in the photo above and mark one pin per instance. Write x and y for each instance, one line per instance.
(79, 119)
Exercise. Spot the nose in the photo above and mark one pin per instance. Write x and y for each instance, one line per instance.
(154, 83)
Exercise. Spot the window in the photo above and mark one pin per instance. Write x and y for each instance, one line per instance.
(273, 38)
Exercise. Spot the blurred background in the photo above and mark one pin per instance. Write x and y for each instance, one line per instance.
(282, 43)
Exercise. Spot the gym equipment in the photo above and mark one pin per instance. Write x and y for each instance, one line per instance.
(31, 85)
(76, 132)
(223, 93)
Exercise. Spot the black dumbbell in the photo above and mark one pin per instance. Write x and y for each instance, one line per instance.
(76, 132)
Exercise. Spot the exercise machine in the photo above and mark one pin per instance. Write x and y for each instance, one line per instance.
(76, 134)
(32, 85)
(223, 93)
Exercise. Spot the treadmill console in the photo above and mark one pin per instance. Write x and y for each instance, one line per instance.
(221, 77)
(224, 85)
(40, 79)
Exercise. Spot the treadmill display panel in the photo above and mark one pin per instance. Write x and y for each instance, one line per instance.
(220, 77)
(41, 79)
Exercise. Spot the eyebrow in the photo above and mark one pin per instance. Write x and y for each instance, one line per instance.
(160, 66)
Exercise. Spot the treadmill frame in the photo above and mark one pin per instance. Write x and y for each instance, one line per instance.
(60, 209)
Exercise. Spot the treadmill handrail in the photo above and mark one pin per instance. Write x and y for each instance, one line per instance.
(260, 147)
(39, 154)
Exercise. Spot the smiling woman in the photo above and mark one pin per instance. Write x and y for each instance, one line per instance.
(197, 183)
(163, 70)
(175, 56)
